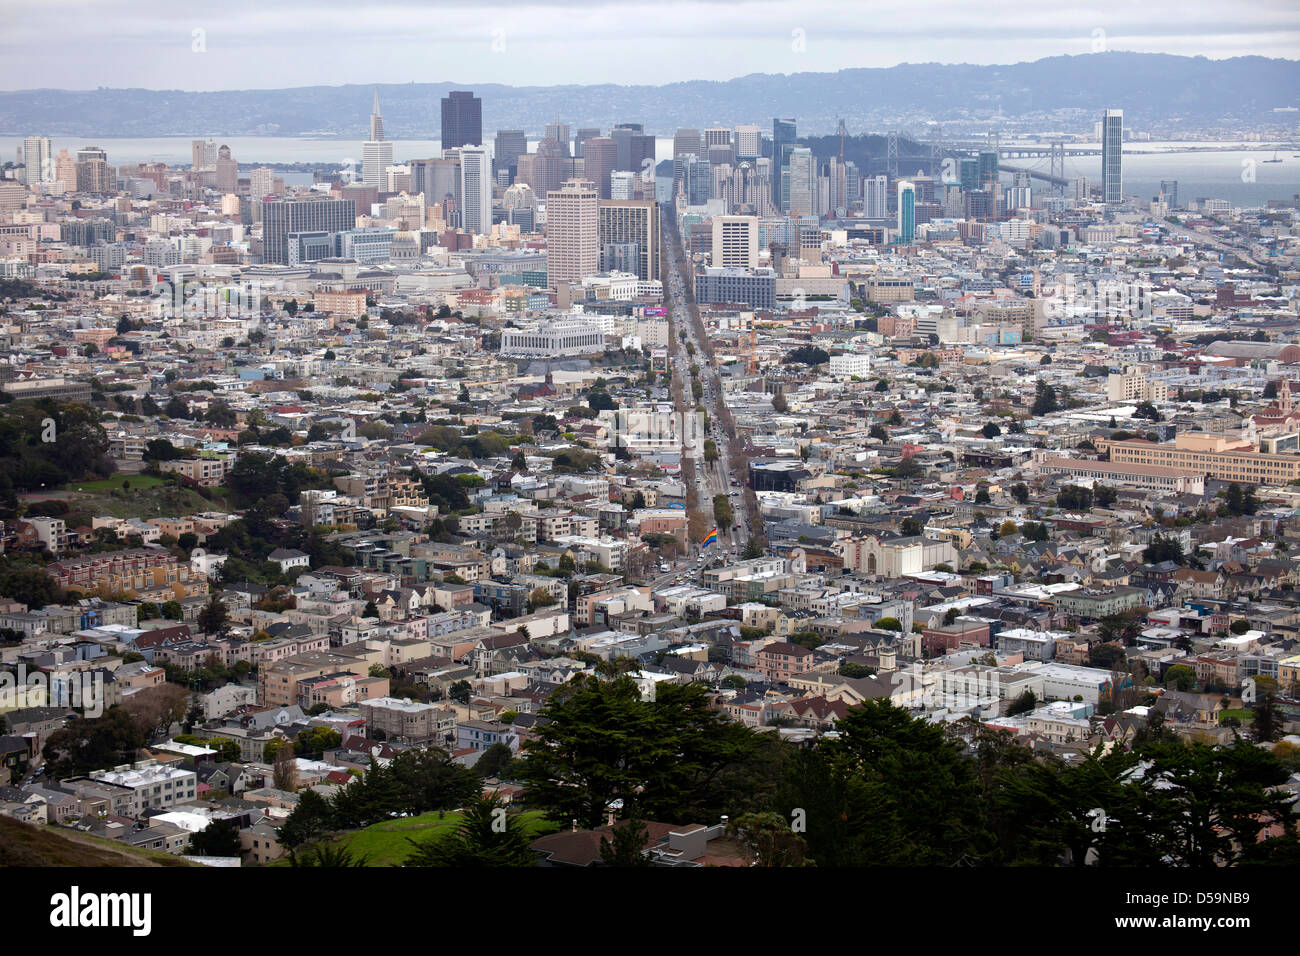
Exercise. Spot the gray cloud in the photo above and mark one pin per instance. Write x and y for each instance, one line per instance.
(148, 43)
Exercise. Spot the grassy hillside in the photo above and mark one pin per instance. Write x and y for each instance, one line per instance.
(388, 843)
(22, 844)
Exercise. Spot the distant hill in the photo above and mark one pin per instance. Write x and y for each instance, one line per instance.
(22, 844)
(1171, 92)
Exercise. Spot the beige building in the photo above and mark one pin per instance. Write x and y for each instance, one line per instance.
(1215, 456)
(735, 241)
(572, 232)
(410, 721)
(1132, 385)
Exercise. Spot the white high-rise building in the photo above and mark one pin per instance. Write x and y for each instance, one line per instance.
(476, 189)
(261, 182)
(572, 232)
(376, 157)
(735, 242)
(875, 197)
(622, 185)
(38, 160)
(203, 154)
(749, 142)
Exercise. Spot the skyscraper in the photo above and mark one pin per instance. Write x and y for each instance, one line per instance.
(462, 119)
(622, 184)
(560, 133)
(600, 158)
(906, 213)
(38, 160)
(581, 137)
(309, 214)
(261, 182)
(735, 242)
(1169, 189)
(803, 182)
(686, 142)
(572, 232)
(375, 158)
(783, 137)
(436, 178)
(509, 146)
(697, 180)
(476, 189)
(227, 177)
(634, 146)
(875, 197)
(203, 154)
(988, 168)
(376, 121)
(94, 175)
(749, 142)
(634, 223)
(1112, 151)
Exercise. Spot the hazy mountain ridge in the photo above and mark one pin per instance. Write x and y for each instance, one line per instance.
(1150, 88)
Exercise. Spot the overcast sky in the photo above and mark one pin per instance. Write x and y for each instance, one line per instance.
(250, 44)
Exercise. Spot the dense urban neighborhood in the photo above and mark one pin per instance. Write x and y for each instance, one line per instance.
(547, 503)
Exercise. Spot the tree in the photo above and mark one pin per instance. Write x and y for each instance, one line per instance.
(779, 403)
(84, 744)
(879, 433)
(1148, 411)
(218, 838)
(770, 839)
(911, 527)
(1020, 492)
(1007, 529)
(314, 741)
(540, 597)
(753, 549)
(488, 835)
(370, 610)
(1194, 805)
(889, 624)
(982, 496)
(215, 617)
(155, 709)
(627, 848)
(1180, 677)
(891, 790)
(1124, 627)
(990, 430)
(1163, 548)
(1035, 531)
(1022, 704)
(602, 743)
(497, 761)
(459, 691)
(1267, 721)
(1044, 399)
(284, 770)
(1104, 496)
(806, 355)
(311, 818)
(1074, 498)
(722, 512)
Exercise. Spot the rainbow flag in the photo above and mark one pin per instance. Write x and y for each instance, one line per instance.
(709, 538)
